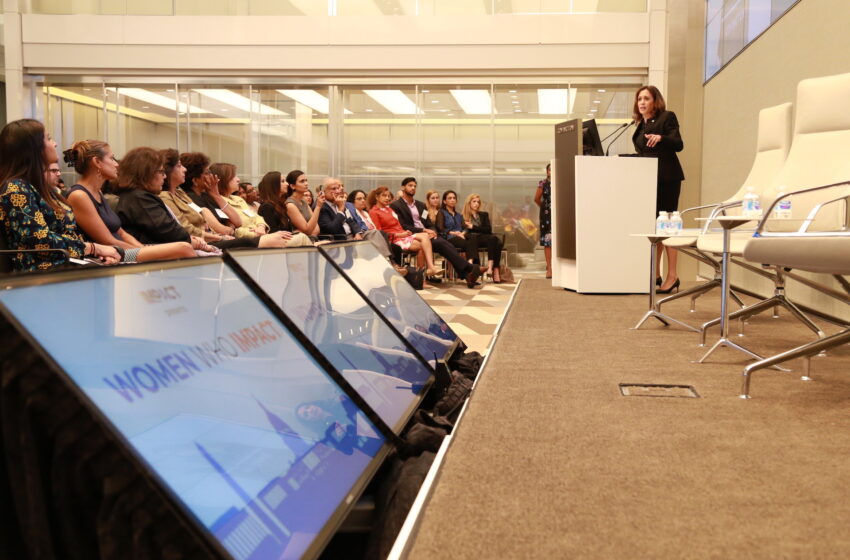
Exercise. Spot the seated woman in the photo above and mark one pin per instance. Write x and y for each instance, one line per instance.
(194, 219)
(357, 199)
(96, 163)
(450, 226)
(253, 225)
(478, 224)
(144, 215)
(202, 187)
(298, 210)
(386, 220)
(32, 214)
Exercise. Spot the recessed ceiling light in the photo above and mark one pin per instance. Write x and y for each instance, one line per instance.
(146, 107)
(450, 115)
(515, 102)
(596, 101)
(435, 101)
(511, 91)
(311, 98)
(156, 99)
(601, 90)
(368, 110)
(426, 91)
(393, 100)
(240, 102)
(170, 90)
(514, 96)
(593, 110)
(86, 89)
(473, 101)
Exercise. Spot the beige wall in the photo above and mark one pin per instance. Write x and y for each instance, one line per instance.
(810, 40)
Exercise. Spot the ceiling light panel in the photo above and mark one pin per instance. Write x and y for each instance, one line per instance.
(473, 101)
(556, 101)
(393, 100)
(157, 99)
(311, 98)
(241, 102)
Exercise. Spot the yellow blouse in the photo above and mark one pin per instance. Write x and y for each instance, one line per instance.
(191, 220)
(250, 218)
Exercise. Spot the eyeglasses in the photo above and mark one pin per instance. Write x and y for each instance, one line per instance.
(55, 170)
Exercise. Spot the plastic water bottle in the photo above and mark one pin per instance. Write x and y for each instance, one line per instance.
(783, 207)
(676, 224)
(662, 223)
(751, 203)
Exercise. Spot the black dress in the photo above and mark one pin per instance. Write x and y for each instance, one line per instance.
(670, 174)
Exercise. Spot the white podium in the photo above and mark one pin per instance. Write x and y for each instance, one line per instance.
(614, 197)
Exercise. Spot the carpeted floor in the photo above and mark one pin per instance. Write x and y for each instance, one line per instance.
(550, 461)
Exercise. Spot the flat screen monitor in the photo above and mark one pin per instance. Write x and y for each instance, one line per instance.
(361, 344)
(394, 298)
(222, 404)
(590, 142)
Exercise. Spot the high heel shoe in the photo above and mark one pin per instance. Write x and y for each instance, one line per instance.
(670, 289)
(435, 273)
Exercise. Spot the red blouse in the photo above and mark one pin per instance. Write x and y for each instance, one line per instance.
(385, 219)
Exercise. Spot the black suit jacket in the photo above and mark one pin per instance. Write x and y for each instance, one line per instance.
(145, 217)
(331, 224)
(665, 124)
(405, 218)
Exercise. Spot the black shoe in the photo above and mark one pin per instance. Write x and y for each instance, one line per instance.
(670, 289)
(434, 280)
(471, 276)
(658, 280)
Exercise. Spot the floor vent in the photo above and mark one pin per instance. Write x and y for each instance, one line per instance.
(656, 390)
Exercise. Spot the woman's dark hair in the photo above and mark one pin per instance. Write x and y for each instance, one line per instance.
(548, 166)
(22, 157)
(372, 198)
(407, 180)
(195, 163)
(225, 173)
(292, 178)
(445, 196)
(268, 190)
(353, 194)
(658, 104)
(170, 159)
(138, 169)
(81, 153)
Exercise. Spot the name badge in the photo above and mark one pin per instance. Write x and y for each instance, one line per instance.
(248, 213)
(220, 213)
(195, 207)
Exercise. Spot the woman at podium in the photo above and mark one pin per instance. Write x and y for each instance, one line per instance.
(657, 135)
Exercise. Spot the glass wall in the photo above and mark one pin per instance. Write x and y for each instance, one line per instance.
(485, 138)
(332, 7)
(730, 25)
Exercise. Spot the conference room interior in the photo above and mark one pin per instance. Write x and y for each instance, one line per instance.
(593, 425)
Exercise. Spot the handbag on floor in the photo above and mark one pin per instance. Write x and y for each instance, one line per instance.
(506, 274)
(415, 277)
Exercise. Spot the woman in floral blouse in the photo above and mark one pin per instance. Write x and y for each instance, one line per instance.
(32, 215)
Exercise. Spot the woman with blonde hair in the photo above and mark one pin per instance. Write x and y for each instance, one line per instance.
(478, 224)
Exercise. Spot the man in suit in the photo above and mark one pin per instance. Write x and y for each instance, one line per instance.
(410, 211)
(339, 223)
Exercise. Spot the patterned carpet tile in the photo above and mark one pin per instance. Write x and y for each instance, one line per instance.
(472, 314)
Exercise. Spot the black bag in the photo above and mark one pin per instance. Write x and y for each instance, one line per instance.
(468, 364)
(415, 277)
(452, 400)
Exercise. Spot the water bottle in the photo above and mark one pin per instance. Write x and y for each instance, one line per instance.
(676, 224)
(783, 207)
(661, 224)
(751, 203)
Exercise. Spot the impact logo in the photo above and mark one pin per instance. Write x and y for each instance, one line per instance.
(159, 295)
(565, 128)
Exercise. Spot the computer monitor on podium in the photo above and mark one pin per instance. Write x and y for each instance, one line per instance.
(590, 142)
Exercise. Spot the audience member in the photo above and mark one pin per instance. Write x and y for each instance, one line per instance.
(432, 209)
(338, 222)
(248, 192)
(202, 188)
(308, 198)
(142, 212)
(357, 201)
(409, 212)
(543, 199)
(54, 178)
(385, 219)
(450, 226)
(96, 163)
(32, 215)
(272, 192)
(301, 216)
(478, 224)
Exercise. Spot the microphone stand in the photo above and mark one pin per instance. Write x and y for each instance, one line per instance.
(616, 137)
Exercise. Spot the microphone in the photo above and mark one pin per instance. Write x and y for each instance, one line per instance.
(616, 130)
(616, 137)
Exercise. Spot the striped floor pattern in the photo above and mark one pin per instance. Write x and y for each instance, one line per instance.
(472, 314)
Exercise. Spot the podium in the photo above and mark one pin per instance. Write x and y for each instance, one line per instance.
(594, 211)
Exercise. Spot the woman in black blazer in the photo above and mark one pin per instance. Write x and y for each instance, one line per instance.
(480, 233)
(657, 135)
